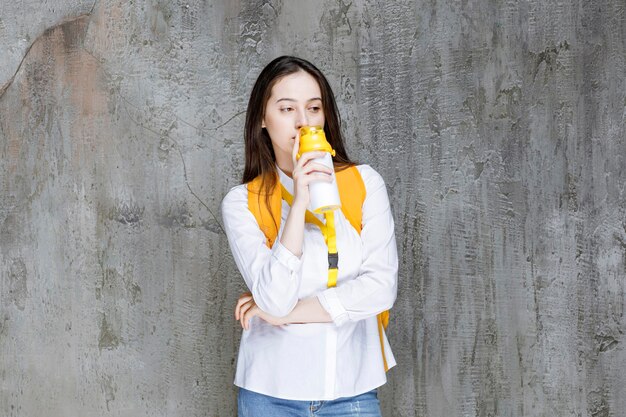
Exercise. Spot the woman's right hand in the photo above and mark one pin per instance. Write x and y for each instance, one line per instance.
(306, 171)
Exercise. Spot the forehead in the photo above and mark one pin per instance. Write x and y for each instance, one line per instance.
(298, 86)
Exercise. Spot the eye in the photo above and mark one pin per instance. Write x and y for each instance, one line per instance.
(286, 109)
(315, 109)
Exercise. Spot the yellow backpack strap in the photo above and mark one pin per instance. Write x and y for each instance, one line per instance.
(352, 193)
(268, 219)
(331, 242)
(308, 216)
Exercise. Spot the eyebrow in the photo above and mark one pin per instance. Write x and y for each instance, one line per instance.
(294, 100)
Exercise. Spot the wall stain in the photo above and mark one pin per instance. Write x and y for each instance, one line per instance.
(510, 100)
(18, 288)
(159, 19)
(475, 104)
(606, 343)
(178, 215)
(4, 327)
(115, 286)
(597, 404)
(110, 389)
(212, 225)
(108, 339)
(80, 20)
(549, 57)
(435, 123)
(339, 17)
(129, 214)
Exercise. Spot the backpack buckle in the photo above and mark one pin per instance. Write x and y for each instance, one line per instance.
(333, 260)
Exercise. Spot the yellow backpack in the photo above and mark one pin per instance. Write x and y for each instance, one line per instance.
(352, 194)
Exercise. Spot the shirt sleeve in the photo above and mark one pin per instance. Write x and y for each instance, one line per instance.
(272, 275)
(375, 288)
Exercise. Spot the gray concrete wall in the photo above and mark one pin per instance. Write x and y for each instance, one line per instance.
(499, 128)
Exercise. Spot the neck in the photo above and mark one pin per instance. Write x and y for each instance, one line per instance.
(285, 165)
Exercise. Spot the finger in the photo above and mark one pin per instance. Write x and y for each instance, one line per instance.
(240, 302)
(244, 300)
(246, 310)
(307, 177)
(307, 156)
(245, 295)
(242, 312)
(248, 316)
(296, 147)
(311, 169)
(245, 307)
(314, 177)
(242, 320)
(316, 166)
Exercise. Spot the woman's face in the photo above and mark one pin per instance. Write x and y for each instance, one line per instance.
(296, 101)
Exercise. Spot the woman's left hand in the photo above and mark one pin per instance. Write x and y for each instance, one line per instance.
(246, 308)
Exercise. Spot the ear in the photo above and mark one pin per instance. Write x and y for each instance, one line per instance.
(263, 123)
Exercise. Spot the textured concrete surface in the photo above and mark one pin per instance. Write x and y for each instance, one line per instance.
(498, 126)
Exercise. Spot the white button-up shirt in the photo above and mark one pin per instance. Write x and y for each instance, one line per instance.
(316, 361)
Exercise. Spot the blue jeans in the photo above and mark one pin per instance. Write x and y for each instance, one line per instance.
(253, 404)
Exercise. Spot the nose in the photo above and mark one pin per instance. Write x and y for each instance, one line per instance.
(301, 119)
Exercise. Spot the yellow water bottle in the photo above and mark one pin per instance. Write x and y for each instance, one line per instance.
(324, 195)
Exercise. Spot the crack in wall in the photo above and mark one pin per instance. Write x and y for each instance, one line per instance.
(177, 147)
(176, 143)
(110, 78)
(174, 115)
(6, 86)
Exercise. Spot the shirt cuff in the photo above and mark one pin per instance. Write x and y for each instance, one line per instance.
(285, 257)
(329, 300)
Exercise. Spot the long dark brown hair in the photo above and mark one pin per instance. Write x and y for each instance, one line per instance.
(260, 158)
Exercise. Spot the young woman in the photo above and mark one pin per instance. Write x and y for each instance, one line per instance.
(307, 349)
